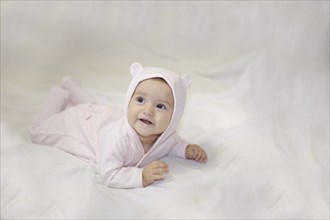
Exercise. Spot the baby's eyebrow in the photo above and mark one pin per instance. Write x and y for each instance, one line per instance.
(166, 102)
(139, 93)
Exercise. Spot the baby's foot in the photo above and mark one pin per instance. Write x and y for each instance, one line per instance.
(68, 83)
(76, 94)
(58, 91)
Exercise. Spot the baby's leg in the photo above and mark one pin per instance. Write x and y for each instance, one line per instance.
(76, 94)
(56, 102)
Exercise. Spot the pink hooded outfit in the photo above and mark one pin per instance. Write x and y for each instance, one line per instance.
(103, 136)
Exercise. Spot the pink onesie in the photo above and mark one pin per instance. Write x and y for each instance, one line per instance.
(102, 135)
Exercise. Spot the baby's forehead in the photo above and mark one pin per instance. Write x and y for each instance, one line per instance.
(159, 79)
(154, 80)
(155, 86)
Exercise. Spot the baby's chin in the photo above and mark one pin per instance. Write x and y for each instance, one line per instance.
(145, 134)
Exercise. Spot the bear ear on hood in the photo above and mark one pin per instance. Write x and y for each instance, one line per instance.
(186, 80)
(136, 68)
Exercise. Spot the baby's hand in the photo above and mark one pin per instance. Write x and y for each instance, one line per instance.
(153, 171)
(195, 152)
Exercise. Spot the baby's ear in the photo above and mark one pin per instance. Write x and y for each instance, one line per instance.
(136, 69)
(187, 80)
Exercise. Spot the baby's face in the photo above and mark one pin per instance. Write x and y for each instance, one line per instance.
(151, 107)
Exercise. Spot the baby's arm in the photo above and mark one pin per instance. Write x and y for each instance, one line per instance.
(195, 152)
(184, 149)
(110, 157)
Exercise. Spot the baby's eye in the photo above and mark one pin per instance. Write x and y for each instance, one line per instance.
(140, 99)
(161, 106)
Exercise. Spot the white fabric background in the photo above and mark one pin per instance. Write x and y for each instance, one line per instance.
(259, 105)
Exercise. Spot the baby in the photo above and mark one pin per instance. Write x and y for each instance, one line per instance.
(125, 148)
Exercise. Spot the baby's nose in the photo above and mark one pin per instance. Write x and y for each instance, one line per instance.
(148, 110)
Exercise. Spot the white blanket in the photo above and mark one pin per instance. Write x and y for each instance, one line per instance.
(259, 105)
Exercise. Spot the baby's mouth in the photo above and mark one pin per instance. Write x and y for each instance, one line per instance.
(145, 121)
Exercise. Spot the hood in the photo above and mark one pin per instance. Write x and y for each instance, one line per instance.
(179, 85)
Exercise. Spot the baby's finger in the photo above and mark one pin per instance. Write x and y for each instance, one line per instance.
(203, 157)
(160, 170)
(158, 176)
(159, 164)
(199, 155)
(194, 154)
(162, 164)
(190, 156)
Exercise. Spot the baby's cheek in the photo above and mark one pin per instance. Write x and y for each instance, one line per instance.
(169, 117)
(165, 122)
